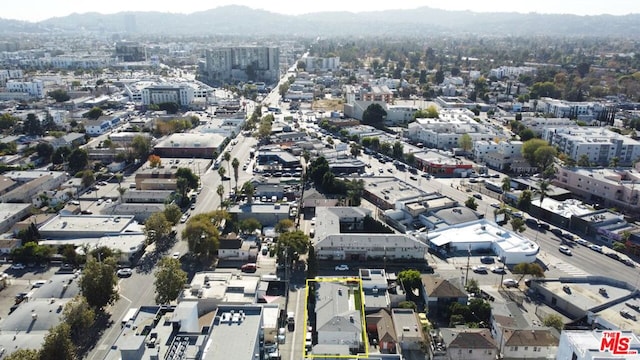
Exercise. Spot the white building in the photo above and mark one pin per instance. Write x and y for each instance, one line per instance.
(34, 88)
(181, 94)
(585, 111)
(538, 124)
(497, 155)
(585, 345)
(445, 132)
(313, 63)
(511, 71)
(8, 74)
(482, 234)
(599, 145)
(330, 243)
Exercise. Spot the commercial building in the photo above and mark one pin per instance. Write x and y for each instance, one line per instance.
(439, 164)
(129, 51)
(608, 187)
(598, 145)
(213, 289)
(483, 235)
(234, 64)
(189, 145)
(585, 345)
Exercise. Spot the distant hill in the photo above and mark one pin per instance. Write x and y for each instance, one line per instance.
(241, 20)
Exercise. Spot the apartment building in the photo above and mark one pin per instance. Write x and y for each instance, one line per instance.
(181, 94)
(313, 63)
(34, 88)
(585, 111)
(233, 64)
(599, 145)
(445, 132)
(368, 92)
(496, 153)
(511, 71)
(610, 188)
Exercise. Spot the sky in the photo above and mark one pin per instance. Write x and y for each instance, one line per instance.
(36, 10)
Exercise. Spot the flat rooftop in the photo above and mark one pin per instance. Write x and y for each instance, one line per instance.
(236, 328)
(391, 189)
(566, 208)
(68, 225)
(227, 287)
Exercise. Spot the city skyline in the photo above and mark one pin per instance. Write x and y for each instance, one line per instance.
(38, 10)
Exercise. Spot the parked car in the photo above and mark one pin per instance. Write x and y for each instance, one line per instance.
(487, 260)
(176, 255)
(495, 205)
(568, 236)
(565, 250)
(582, 241)
(249, 268)
(498, 270)
(477, 196)
(556, 231)
(481, 269)
(509, 283)
(545, 226)
(124, 272)
(596, 248)
(18, 266)
(343, 267)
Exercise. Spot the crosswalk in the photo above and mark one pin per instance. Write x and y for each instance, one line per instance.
(555, 263)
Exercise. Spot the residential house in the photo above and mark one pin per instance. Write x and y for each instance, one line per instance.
(441, 293)
(468, 344)
(97, 127)
(337, 320)
(408, 329)
(232, 247)
(380, 327)
(538, 343)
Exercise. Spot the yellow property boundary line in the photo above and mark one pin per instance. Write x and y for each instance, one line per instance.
(351, 281)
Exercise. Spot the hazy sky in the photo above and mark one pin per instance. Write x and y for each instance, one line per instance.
(35, 10)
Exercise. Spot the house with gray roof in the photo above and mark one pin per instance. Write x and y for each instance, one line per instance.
(462, 344)
(337, 320)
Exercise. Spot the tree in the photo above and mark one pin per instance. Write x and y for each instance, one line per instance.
(543, 190)
(465, 142)
(249, 225)
(614, 162)
(619, 246)
(88, 178)
(471, 203)
(141, 147)
(265, 127)
(202, 236)
(248, 190)
(172, 213)
(506, 186)
(284, 225)
(524, 200)
(78, 160)
(59, 95)
(532, 269)
(544, 157)
(154, 161)
(398, 150)
(170, 280)
(79, 316)
(98, 282)
(235, 164)
(23, 354)
(583, 161)
(220, 192)
(185, 181)
(57, 344)
(408, 305)
(222, 172)
(529, 148)
(354, 149)
(60, 155)
(121, 191)
(410, 279)
(374, 115)
(226, 156)
(32, 125)
(157, 229)
(518, 224)
(554, 321)
(45, 151)
(94, 113)
(291, 243)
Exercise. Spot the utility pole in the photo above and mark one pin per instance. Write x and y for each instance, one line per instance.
(466, 277)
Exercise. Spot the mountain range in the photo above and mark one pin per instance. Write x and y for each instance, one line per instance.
(241, 20)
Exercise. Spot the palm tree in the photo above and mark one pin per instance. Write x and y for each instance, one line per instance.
(220, 192)
(227, 157)
(542, 190)
(249, 191)
(235, 164)
(121, 191)
(506, 187)
(222, 172)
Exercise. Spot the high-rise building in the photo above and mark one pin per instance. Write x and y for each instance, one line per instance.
(234, 64)
(129, 51)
